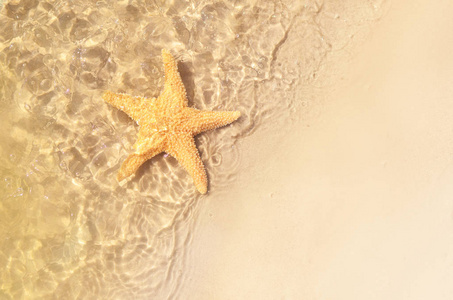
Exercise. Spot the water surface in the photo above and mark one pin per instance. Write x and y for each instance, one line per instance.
(68, 229)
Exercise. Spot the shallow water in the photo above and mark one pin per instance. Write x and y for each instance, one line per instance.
(69, 230)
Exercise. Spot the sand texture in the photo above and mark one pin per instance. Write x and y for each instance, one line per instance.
(335, 183)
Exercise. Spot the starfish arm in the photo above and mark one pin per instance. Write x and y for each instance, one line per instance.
(134, 161)
(146, 141)
(201, 121)
(132, 106)
(184, 150)
(174, 93)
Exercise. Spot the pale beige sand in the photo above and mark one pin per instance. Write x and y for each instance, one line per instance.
(334, 183)
(355, 202)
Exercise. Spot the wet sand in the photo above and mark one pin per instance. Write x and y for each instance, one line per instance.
(335, 183)
(354, 202)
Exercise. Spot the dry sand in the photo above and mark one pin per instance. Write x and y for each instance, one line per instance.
(335, 183)
(355, 202)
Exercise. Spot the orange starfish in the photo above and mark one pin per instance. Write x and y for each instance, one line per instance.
(168, 125)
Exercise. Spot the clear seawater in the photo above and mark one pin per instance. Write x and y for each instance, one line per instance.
(67, 228)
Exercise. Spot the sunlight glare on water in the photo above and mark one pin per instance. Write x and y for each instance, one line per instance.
(68, 229)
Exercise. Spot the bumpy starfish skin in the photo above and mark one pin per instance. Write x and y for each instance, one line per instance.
(168, 125)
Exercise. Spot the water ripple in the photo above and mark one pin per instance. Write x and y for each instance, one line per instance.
(68, 229)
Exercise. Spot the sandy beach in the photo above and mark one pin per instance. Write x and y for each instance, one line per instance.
(353, 203)
(335, 183)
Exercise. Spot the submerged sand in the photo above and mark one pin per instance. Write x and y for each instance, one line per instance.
(335, 183)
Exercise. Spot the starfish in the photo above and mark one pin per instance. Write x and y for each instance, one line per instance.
(168, 125)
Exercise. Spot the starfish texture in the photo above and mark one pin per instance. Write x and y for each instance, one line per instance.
(168, 125)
